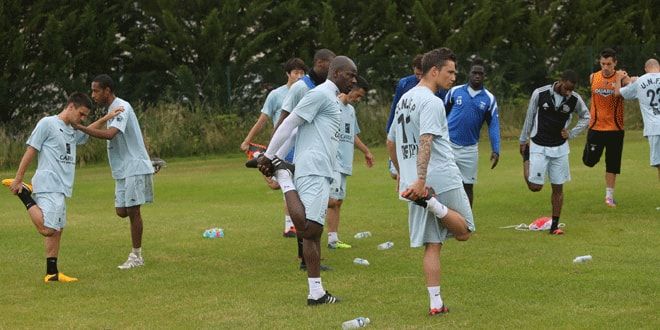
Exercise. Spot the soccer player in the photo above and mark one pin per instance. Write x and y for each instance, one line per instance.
(129, 162)
(348, 141)
(404, 85)
(418, 144)
(315, 77)
(54, 141)
(606, 125)
(317, 117)
(294, 68)
(646, 89)
(546, 125)
(468, 106)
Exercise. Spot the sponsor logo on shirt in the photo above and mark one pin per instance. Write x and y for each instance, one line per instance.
(459, 100)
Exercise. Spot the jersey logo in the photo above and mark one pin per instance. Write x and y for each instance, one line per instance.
(68, 149)
(604, 92)
(347, 128)
(482, 105)
(565, 108)
(459, 100)
(545, 106)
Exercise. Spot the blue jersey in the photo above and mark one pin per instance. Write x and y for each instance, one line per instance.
(404, 85)
(466, 114)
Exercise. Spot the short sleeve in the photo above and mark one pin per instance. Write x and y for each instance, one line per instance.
(39, 134)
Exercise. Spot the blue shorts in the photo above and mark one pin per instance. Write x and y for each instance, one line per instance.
(134, 190)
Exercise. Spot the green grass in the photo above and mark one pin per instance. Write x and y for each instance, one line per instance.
(500, 278)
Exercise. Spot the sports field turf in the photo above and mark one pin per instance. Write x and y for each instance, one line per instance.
(500, 278)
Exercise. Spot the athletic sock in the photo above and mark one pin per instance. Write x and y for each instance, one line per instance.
(332, 237)
(288, 223)
(315, 287)
(437, 208)
(26, 197)
(434, 297)
(609, 193)
(285, 181)
(555, 223)
(300, 250)
(137, 252)
(51, 266)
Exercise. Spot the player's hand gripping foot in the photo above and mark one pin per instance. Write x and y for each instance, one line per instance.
(326, 299)
(19, 189)
(423, 201)
(280, 164)
(291, 232)
(132, 262)
(556, 231)
(59, 277)
(439, 311)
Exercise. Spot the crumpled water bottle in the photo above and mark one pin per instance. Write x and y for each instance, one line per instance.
(360, 261)
(385, 246)
(214, 233)
(363, 234)
(582, 259)
(355, 323)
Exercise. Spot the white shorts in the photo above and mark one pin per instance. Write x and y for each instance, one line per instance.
(467, 160)
(314, 192)
(556, 167)
(425, 228)
(134, 190)
(53, 206)
(654, 145)
(338, 186)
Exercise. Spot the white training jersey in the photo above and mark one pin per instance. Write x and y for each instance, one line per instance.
(316, 142)
(273, 105)
(126, 151)
(348, 129)
(646, 89)
(56, 143)
(420, 112)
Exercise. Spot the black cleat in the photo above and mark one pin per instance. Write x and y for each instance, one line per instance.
(252, 163)
(422, 201)
(326, 299)
(158, 163)
(280, 164)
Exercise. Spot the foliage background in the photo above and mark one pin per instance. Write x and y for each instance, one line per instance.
(214, 61)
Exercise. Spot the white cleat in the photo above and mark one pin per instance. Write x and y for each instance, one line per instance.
(132, 262)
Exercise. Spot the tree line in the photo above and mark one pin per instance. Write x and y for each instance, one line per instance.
(223, 56)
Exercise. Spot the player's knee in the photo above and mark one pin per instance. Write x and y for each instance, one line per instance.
(47, 232)
(312, 231)
(534, 187)
(121, 212)
(463, 236)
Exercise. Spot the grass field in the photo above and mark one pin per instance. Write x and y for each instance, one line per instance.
(500, 278)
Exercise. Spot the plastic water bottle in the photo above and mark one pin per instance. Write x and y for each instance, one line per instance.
(355, 323)
(360, 261)
(214, 233)
(582, 259)
(363, 234)
(385, 246)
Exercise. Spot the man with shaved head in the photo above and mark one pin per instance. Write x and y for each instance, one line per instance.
(646, 89)
(316, 119)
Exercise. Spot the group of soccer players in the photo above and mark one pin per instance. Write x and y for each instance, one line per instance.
(54, 141)
(433, 134)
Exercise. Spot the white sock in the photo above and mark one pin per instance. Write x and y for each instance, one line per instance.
(438, 209)
(285, 180)
(434, 296)
(332, 237)
(609, 193)
(316, 290)
(137, 252)
(287, 223)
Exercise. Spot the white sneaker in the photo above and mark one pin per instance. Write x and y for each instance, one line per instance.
(132, 261)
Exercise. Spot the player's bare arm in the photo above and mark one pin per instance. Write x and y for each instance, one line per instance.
(494, 159)
(418, 188)
(17, 185)
(368, 156)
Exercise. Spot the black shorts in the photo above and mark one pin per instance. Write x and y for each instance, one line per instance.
(612, 141)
